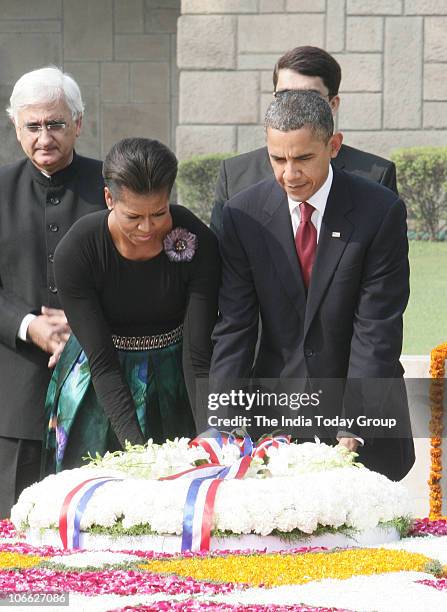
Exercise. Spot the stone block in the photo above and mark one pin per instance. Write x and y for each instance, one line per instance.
(88, 142)
(84, 73)
(25, 52)
(24, 25)
(306, 6)
(161, 20)
(267, 80)
(435, 115)
(364, 33)
(173, 120)
(151, 47)
(219, 6)
(435, 39)
(127, 120)
(402, 84)
(115, 82)
(150, 4)
(129, 16)
(435, 83)
(207, 41)
(10, 149)
(360, 71)
(200, 140)
(271, 6)
(374, 7)
(37, 9)
(425, 7)
(88, 30)
(257, 61)
(219, 97)
(275, 34)
(250, 137)
(335, 26)
(360, 111)
(266, 99)
(383, 142)
(174, 68)
(149, 82)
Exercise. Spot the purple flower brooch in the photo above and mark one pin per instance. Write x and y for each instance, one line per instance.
(180, 245)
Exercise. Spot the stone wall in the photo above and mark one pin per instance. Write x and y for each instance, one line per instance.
(121, 52)
(393, 55)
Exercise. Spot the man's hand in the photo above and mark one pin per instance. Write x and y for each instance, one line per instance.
(350, 443)
(56, 317)
(50, 331)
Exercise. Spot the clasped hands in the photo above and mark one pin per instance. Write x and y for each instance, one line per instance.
(50, 331)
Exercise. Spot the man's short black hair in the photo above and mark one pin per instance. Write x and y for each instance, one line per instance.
(293, 110)
(311, 61)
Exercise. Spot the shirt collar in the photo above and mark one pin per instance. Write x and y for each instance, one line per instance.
(319, 198)
(56, 179)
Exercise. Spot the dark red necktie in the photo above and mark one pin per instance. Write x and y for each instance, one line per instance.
(306, 241)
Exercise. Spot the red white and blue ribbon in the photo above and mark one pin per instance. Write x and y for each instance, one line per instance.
(199, 506)
(73, 508)
(260, 450)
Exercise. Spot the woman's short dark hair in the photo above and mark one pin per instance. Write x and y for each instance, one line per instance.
(311, 61)
(141, 165)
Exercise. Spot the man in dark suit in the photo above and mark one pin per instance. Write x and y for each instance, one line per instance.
(41, 196)
(301, 68)
(322, 256)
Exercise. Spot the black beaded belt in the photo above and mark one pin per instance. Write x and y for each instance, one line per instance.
(144, 343)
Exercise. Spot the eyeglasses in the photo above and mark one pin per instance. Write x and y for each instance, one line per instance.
(55, 127)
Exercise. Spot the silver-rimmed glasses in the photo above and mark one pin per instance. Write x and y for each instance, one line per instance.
(54, 127)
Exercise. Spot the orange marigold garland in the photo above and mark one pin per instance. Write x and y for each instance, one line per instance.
(437, 372)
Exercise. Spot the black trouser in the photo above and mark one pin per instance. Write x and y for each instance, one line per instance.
(19, 468)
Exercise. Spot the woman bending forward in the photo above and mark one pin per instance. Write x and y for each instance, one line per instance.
(138, 283)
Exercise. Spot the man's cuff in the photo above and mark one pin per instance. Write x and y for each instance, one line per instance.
(347, 434)
(23, 329)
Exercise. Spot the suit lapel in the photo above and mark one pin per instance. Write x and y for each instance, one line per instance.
(281, 246)
(330, 248)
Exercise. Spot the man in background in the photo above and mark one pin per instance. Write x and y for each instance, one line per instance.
(301, 68)
(41, 196)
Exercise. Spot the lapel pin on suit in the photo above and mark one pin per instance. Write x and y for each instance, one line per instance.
(335, 234)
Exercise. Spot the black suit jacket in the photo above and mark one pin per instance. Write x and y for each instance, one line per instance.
(238, 173)
(35, 213)
(348, 326)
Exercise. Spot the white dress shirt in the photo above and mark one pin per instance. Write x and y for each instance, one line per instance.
(318, 201)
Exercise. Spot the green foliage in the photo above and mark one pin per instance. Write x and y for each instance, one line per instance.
(196, 180)
(422, 183)
(117, 530)
(434, 567)
(425, 320)
(401, 523)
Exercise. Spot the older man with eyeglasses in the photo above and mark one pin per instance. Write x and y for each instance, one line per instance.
(41, 196)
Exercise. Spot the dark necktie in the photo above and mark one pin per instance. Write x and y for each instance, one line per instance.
(306, 241)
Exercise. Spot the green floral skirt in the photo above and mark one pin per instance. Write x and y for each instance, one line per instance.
(78, 425)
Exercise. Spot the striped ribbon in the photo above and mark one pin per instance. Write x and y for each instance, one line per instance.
(73, 508)
(199, 506)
